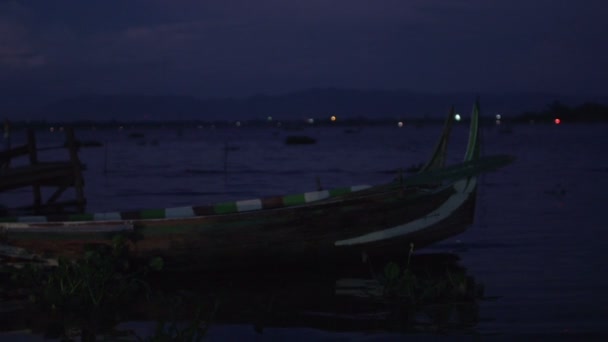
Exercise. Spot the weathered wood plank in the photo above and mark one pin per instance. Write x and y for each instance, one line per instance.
(44, 174)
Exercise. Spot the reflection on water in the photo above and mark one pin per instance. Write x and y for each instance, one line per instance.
(432, 293)
(538, 239)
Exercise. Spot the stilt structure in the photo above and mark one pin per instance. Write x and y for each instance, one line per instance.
(60, 175)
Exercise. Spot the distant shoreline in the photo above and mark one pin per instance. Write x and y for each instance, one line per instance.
(318, 104)
(290, 124)
(586, 113)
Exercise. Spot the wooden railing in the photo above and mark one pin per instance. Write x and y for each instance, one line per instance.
(37, 174)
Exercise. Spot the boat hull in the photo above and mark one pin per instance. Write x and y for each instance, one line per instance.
(307, 234)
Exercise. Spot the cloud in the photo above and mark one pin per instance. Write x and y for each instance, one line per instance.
(273, 45)
(17, 47)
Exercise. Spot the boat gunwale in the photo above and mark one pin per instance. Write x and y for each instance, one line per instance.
(230, 207)
(90, 225)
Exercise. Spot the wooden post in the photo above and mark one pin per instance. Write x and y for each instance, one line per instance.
(33, 154)
(318, 181)
(78, 180)
(225, 160)
(7, 134)
(105, 158)
(7, 143)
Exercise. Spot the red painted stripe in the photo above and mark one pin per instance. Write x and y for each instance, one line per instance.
(203, 210)
(272, 202)
(130, 215)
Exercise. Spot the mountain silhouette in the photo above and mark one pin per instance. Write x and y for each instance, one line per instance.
(313, 103)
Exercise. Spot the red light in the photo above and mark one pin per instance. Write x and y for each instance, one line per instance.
(557, 121)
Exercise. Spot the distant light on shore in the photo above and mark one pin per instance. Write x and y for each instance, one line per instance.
(557, 121)
(333, 118)
(400, 124)
(457, 117)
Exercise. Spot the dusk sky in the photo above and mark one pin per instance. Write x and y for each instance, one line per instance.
(246, 47)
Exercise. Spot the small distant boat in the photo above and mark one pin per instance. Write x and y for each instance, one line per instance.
(299, 140)
(87, 143)
(505, 129)
(328, 226)
(351, 130)
(136, 135)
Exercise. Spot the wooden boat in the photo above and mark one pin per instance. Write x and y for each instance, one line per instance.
(325, 226)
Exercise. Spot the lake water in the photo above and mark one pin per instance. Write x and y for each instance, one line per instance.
(538, 242)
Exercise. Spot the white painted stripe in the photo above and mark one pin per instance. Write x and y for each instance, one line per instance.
(179, 212)
(315, 196)
(15, 252)
(463, 189)
(359, 187)
(248, 205)
(31, 219)
(106, 216)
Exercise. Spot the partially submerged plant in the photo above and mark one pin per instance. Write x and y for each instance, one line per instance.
(192, 330)
(431, 284)
(90, 291)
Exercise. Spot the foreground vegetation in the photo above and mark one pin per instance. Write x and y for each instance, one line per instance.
(89, 298)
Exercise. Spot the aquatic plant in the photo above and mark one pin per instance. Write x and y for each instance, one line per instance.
(192, 330)
(89, 292)
(426, 284)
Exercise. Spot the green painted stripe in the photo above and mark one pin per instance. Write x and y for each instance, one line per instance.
(473, 144)
(89, 236)
(225, 208)
(219, 208)
(153, 214)
(339, 191)
(293, 200)
(36, 218)
(81, 217)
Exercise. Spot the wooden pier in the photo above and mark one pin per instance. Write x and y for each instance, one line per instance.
(58, 175)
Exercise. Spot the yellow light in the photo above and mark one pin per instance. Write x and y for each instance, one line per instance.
(333, 118)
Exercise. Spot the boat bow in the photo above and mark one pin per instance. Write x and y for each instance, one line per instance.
(464, 191)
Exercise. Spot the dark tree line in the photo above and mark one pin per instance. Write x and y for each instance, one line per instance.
(586, 112)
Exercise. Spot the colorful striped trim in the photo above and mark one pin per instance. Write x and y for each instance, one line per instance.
(192, 211)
